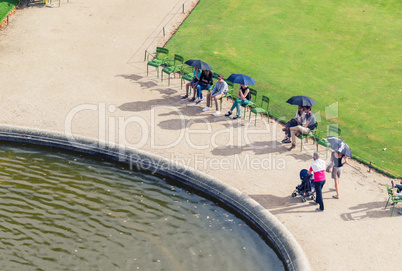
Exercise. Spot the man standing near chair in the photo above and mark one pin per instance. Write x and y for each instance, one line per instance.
(305, 129)
(219, 90)
(318, 167)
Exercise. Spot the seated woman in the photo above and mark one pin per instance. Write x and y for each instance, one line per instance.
(398, 186)
(244, 99)
(299, 119)
(193, 82)
(397, 195)
(204, 83)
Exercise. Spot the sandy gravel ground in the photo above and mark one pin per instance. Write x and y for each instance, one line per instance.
(80, 68)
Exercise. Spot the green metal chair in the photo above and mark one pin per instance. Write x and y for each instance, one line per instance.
(252, 102)
(186, 74)
(260, 110)
(311, 134)
(230, 94)
(392, 198)
(160, 57)
(173, 65)
(332, 130)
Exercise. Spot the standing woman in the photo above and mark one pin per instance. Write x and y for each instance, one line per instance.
(204, 83)
(318, 167)
(337, 170)
(244, 99)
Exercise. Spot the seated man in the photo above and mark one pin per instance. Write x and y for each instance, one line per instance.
(305, 129)
(219, 90)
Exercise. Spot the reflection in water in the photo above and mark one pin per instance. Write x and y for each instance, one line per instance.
(68, 212)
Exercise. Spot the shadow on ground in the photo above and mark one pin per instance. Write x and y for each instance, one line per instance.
(280, 205)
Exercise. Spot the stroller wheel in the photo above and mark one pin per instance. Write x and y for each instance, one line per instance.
(303, 199)
(294, 194)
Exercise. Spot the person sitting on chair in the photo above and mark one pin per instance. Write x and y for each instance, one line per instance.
(397, 195)
(244, 99)
(305, 129)
(193, 82)
(205, 82)
(299, 119)
(398, 186)
(219, 90)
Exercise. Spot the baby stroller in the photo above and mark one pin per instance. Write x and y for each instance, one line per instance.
(306, 188)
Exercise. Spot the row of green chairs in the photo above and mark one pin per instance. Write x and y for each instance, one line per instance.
(391, 197)
(170, 65)
(176, 65)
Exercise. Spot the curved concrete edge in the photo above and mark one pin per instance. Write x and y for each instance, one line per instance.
(263, 221)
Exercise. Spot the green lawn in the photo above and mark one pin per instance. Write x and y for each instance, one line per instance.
(6, 6)
(345, 54)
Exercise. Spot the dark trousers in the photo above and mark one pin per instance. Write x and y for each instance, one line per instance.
(289, 124)
(318, 193)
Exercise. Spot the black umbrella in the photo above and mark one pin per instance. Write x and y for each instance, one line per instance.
(302, 101)
(241, 79)
(339, 146)
(198, 64)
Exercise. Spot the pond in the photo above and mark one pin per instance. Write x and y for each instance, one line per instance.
(61, 210)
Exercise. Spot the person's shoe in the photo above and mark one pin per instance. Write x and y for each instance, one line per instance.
(185, 97)
(216, 113)
(285, 129)
(293, 147)
(286, 141)
(335, 197)
(192, 99)
(228, 114)
(199, 101)
(237, 117)
(206, 109)
(319, 210)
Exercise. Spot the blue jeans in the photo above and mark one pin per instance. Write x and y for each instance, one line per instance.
(237, 104)
(200, 89)
(318, 193)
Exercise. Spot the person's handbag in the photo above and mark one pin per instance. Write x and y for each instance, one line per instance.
(331, 163)
(293, 122)
(203, 84)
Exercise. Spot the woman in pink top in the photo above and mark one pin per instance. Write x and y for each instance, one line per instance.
(318, 167)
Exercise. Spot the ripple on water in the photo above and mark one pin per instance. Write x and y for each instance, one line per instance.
(60, 211)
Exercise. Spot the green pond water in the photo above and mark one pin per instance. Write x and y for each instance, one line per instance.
(65, 211)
